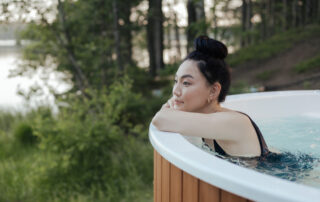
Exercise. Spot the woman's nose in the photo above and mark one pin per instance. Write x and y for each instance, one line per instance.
(176, 90)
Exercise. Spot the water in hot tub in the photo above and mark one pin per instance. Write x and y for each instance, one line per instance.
(297, 139)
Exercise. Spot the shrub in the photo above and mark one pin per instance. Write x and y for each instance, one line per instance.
(24, 134)
(99, 144)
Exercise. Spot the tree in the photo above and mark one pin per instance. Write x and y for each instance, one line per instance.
(246, 22)
(155, 36)
(196, 21)
(81, 40)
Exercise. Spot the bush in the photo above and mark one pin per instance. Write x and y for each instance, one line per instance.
(24, 134)
(100, 145)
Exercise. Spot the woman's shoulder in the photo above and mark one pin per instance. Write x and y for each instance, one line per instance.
(234, 114)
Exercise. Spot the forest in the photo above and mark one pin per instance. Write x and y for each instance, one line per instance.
(119, 58)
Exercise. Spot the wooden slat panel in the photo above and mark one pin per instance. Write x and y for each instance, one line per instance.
(154, 175)
(229, 197)
(158, 177)
(175, 184)
(165, 180)
(208, 193)
(189, 188)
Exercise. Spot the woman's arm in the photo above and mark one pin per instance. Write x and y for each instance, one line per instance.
(220, 125)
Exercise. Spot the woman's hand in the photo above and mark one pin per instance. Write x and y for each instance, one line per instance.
(158, 119)
(168, 104)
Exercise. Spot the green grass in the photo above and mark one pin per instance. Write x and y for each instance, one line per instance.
(308, 65)
(273, 46)
(239, 87)
(266, 75)
(26, 171)
(21, 179)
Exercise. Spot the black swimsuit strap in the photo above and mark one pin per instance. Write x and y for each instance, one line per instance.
(263, 146)
(218, 149)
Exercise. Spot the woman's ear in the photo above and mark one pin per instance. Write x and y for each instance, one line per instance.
(215, 91)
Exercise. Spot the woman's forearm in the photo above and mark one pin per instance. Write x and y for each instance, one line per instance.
(164, 120)
(213, 126)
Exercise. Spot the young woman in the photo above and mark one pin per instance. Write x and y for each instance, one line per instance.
(201, 84)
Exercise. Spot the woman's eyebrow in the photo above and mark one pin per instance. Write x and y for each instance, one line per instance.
(186, 76)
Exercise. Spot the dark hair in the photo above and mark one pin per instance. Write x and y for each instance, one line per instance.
(209, 55)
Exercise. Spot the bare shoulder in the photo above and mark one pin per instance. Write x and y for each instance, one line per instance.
(235, 117)
(235, 114)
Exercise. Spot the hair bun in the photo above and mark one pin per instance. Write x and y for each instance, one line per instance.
(210, 47)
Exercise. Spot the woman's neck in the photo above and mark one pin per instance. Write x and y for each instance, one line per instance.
(211, 108)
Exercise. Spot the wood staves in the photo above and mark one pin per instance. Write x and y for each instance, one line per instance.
(172, 184)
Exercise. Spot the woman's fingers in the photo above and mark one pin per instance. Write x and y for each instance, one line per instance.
(170, 102)
(165, 105)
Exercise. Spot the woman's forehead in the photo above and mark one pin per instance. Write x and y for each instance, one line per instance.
(188, 67)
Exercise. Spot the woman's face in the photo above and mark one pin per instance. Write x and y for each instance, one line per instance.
(190, 91)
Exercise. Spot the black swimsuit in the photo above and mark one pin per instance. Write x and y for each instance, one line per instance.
(263, 146)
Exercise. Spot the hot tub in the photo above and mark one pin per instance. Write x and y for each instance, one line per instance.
(184, 172)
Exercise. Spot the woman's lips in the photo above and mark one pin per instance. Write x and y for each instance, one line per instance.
(177, 102)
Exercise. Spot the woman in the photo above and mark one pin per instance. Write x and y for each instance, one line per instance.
(201, 84)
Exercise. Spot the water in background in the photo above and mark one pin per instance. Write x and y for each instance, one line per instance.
(298, 141)
(10, 56)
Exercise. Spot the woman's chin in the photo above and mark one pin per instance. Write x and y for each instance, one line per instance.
(178, 107)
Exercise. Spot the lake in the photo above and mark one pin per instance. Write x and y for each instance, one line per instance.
(10, 56)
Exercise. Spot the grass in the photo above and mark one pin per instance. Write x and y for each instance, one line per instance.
(239, 87)
(273, 46)
(16, 174)
(308, 65)
(24, 172)
(21, 177)
(266, 75)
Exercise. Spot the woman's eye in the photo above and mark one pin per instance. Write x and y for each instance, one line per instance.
(186, 83)
(175, 81)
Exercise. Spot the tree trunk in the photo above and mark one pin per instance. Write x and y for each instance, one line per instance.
(155, 36)
(263, 20)
(244, 21)
(200, 14)
(191, 20)
(308, 11)
(125, 34)
(116, 34)
(284, 10)
(314, 7)
(299, 13)
(196, 14)
(249, 23)
(168, 41)
(177, 39)
(318, 10)
(81, 80)
(215, 19)
(271, 17)
(294, 13)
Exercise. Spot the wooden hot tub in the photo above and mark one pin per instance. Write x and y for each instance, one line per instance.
(172, 184)
(183, 172)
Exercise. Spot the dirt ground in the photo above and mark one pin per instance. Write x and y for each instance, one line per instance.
(282, 76)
